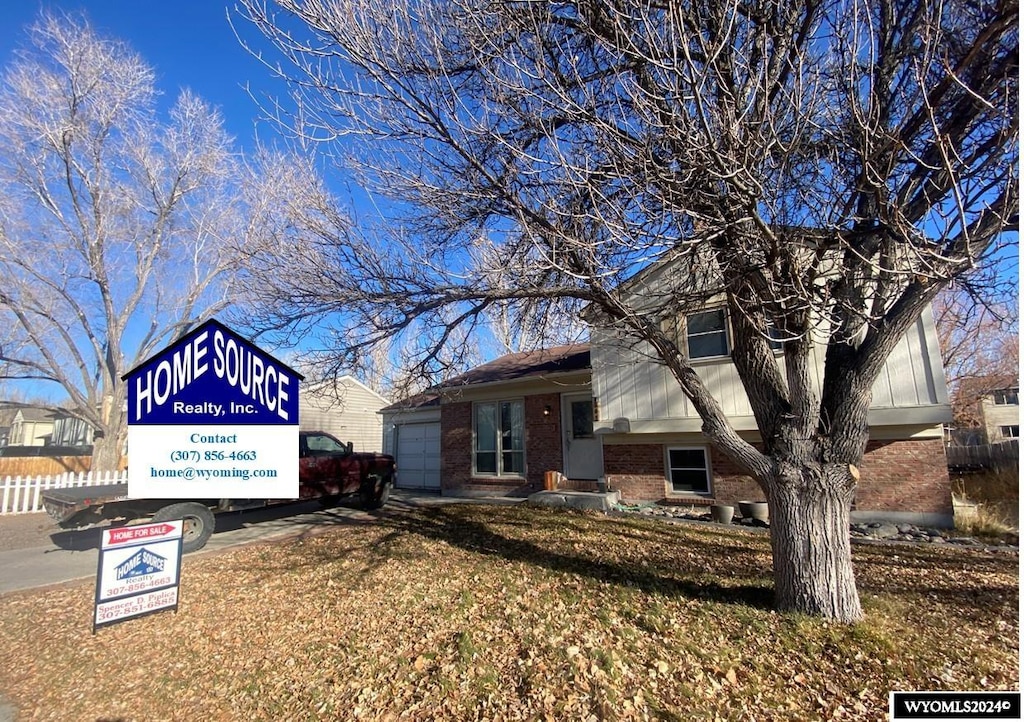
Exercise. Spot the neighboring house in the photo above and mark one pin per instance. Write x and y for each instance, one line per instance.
(70, 431)
(31, 427)
(47, 427)
(999, 411)
(610, 411)
(345, 408)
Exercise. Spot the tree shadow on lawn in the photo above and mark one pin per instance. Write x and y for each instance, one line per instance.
(653, 571)
(441, 524)
(953, 578)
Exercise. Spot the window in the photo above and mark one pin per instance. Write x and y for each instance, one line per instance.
(499, 439)
(1010, 432)
(322, 445)
(688, 470)
(1005, 397)
(706, 335)
(775, 337)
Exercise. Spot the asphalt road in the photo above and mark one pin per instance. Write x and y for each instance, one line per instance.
(73, 554)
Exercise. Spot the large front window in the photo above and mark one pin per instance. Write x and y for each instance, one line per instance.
(499, 438)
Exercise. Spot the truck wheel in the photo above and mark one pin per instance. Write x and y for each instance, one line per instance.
(198, 526)
(374, 492)
(328, 501)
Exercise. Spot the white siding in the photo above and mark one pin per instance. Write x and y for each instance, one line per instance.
(345, 408)
(629, 384)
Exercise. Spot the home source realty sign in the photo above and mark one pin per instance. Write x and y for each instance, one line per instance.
(139, 569)
(213, 416)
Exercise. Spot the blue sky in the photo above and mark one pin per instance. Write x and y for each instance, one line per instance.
(188, 43)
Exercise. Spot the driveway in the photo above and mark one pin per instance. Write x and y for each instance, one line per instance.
(34, 552)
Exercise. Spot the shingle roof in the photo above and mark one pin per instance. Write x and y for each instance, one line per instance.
(511, 367)
(555, 360)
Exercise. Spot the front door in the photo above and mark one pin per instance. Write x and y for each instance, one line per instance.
(581, 447)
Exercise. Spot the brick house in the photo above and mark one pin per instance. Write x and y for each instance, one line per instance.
(607, 411)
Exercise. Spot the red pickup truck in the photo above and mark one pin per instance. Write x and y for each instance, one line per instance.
(329, 470)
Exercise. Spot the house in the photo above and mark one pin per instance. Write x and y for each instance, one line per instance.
(34, 426)
(345, 408)
(608, 411)
(999, 410)
(31, 427)
(497, 428)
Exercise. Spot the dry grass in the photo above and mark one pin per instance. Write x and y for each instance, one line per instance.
(474, 612)
(997, 494)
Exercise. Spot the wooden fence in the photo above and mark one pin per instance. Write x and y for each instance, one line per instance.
(997, 457)
(43, 465)
(24, 494)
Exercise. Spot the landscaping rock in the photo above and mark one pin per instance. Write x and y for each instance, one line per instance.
(883, 531)
(866, 531)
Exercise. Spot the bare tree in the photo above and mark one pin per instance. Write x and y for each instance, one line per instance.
(824, 168)
(980, 344)
(113, 222)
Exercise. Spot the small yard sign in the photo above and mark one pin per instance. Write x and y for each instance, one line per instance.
(139, 568)
(211, 417)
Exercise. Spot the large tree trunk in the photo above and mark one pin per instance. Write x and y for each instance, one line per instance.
(106, 451)
(112, 432)
(810, 533)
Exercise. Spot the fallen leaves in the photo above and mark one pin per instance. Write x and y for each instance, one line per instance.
(469, 612)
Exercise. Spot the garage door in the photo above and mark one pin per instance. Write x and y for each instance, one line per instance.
(419, 456)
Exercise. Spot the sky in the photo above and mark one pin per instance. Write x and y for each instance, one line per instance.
(188, 43)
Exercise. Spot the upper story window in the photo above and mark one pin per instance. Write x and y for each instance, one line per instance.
(1005, 397)
(775, 337)
(1010, 432)
(706, 334)
(499, 438)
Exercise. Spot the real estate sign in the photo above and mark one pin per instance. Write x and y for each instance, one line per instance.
(213, 416)
(139, 568)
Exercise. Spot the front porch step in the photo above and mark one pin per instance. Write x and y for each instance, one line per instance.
(575, 499)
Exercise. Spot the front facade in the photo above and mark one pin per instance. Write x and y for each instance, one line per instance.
(609, 412)
(653, 446)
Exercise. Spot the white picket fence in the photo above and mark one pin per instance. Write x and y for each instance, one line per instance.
(24, 494)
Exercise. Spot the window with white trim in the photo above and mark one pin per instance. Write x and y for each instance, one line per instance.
(706, 334)
(1005, 397)
(1010, 432)
(688, 470)
(499, 436)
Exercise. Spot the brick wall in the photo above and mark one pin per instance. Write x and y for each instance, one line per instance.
(909, 475)
(456, 445)
(543, 438)
(636, 470)
(543, 448)
(903, 476)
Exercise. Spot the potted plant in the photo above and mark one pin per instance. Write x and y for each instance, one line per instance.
(756, 510)
(722, 513)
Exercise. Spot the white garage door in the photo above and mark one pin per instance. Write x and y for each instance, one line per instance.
(419, 456)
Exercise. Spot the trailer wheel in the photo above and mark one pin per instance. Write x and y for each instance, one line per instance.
(375, 491)
(198, 526)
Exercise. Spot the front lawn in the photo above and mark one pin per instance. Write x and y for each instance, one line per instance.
(467, 612)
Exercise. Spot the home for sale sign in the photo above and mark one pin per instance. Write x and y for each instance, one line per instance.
(139, 569)
(213, 416)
